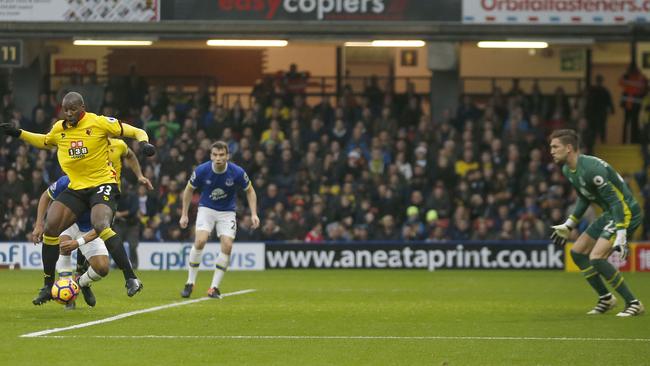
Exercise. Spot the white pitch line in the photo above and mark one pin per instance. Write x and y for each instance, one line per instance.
(132, 313)
(399, 338)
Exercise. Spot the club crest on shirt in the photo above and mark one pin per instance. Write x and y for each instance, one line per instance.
(229, 182)
(208, 181)
(599, 181)
(88, 131)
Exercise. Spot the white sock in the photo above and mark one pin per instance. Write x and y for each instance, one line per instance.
(220, 270)
(64, 266)
(89, 277)
(194, 263)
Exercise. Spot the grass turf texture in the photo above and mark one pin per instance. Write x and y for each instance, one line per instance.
(330, 303)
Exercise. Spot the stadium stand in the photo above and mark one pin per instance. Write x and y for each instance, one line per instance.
(374, 166)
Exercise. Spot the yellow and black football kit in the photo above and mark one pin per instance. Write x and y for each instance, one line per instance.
(83, 153)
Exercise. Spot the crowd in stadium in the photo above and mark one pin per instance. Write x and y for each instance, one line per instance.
(371, 165)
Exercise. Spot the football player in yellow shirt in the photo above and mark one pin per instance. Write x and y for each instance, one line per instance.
(83, 153)
(70, 237)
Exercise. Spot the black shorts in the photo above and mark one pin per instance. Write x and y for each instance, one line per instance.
(82, 200)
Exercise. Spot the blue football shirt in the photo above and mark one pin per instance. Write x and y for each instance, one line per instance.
(219, 190)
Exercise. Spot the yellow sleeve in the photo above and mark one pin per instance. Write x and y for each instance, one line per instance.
(118, 129)
(136, 133)
(35, 139)
(111, 125)
(41, 141)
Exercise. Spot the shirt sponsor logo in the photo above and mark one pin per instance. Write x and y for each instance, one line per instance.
(77, 150)
(217, 194)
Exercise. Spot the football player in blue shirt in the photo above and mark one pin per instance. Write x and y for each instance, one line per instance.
(218, 180)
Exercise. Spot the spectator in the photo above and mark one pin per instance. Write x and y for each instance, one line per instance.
(599, 106)
(387, 231)
(315, 235)
(635, 87)
(271, 231)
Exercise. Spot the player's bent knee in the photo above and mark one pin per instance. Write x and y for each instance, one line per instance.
(200, 244)
(226, 248)
(101, 265)
(102, 270)
(100, 227)
(602, 249)
(599, 254)
(51, 229)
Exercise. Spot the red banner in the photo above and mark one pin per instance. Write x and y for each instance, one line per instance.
(621, 265)
(642, 256)
(65, 66)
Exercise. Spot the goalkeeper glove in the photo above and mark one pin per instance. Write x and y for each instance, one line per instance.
(147, 148)
(9, 129)
(561, 232)
(620, 243)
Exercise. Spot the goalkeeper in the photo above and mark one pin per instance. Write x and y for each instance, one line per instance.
(597, 182)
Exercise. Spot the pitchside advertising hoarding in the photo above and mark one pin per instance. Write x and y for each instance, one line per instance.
(260, 256)
(79, 10)
(479, 255)
(151, 256)
(556, 11)
(267, 256)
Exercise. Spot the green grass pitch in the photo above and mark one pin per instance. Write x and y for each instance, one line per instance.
(330, 317)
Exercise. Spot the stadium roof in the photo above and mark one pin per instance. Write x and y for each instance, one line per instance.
(324, 30)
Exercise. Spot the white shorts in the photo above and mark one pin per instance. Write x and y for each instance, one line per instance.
(89, 249)
(225, 221)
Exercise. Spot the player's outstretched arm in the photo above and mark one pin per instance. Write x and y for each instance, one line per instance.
(251, 196)
(140, 135)
(186, 200)
(132, 162)
(35, 139)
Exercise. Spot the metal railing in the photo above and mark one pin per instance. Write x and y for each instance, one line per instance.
(485, 85)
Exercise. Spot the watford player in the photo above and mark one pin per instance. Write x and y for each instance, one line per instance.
(81, 235)
(82, 139)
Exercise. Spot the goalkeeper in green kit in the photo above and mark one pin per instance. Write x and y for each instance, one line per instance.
(597, 182)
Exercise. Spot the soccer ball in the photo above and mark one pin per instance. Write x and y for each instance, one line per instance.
(64, 291)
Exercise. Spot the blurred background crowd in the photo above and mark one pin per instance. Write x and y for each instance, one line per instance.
(370, 165)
